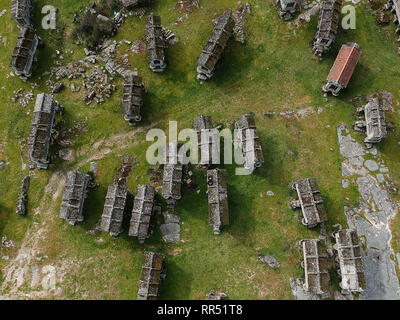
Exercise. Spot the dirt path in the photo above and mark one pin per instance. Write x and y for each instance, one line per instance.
(23, 270)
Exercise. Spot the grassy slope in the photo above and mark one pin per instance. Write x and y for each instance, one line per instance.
(274, 71)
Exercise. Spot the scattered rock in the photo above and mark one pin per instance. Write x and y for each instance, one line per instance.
(270, 260)
(270, 193)
(371, 165)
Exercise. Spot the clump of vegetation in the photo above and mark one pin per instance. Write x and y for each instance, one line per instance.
(95, 25)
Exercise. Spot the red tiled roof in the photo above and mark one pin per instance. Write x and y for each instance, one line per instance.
(345, 63)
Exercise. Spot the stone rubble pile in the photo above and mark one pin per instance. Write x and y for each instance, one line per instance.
(22, 98)
(21, 205)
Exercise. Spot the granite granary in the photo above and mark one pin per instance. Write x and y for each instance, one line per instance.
(217, 192)
(39, 139)
(215, 46)
(316, 264)
(374, 124)
(24, 52)
(75, 193)
(350, 262)
(155, 43)
(247, 139)
(310, 202)
(132, 4)
(143, 207)
(286, 8)
(132, 100)
(394, 7)
(115, 208)
(343, 68)
(153, 271)
(21, 12)
(208, 140)
(327, 26)
(172, 183)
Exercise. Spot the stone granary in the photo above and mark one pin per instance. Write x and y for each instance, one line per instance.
(21, 205)
(316, 263)
(217, 192)
(215, 46)
(155, 43)
(75, 193)
(328, 24)
(208, 141)
(132, 100)
(394, 7)
(248, 140)
(374, 123)
(115, 208)
(343, 68)
(143, 208)
(286, 8)
(132, 4)
(310, 202)
(24, 52)
(153, 271)
(39, 139)
(21, 12)
(350, 262)
(172, 183)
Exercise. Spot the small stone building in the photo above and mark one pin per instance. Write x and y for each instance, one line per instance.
(316, 264)
(155, 43)
(172, 182)
(286, 8)
(248, 140)
(350, 262)
(132, 4)
(39, 139)
(153, 271)
(394, 7)
(75, 193)
(132, 100)
(215, 46)
(343, 68)
(208, 140)
(328, 25)
(310, 202)
(217, 192)
(143, 207)
(375, 122)
(114, 209)
(21, 12)
(24, 52)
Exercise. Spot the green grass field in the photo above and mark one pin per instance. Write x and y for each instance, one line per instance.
(274, 71)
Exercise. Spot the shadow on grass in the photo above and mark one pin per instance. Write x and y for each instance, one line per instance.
(177, 284)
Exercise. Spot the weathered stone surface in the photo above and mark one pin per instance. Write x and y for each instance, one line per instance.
(299, 292)
(371, 165)
(171, 218)
(170, 232)
(371, 220)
